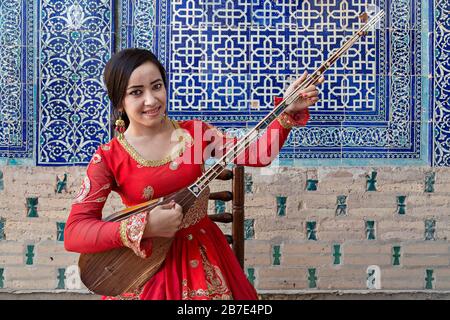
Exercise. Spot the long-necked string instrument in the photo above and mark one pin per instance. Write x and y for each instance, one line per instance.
(120, 270)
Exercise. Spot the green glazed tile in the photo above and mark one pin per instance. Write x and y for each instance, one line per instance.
(248, 182)
(401, 205)
(61, 278)
(251, 275)
(276, 254)
(249, 230)
(430, 179)
(429, 279)
(430, 229)
(311, 184)
(2, 228)
(337, 254)
(312, 278)
(311, 230)
(396, 255)
(219, 206)
(281, 206)
(370, 230)
(2, 278)
(30, 254)
(32, 207)
(372, 181)
(341, 208)
(60, 231)
(61, 184)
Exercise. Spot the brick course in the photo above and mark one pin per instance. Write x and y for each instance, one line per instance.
(297, 254)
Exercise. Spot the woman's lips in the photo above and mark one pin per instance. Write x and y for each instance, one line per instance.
(151, 112)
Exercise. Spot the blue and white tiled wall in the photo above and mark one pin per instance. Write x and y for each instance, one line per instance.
(385, 103)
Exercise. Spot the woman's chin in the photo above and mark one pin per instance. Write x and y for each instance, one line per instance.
(152, 118)
(151, 121)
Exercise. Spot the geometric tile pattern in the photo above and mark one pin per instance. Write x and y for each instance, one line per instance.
(75, 41)
(228, 59)
(387, 100)
(16, 78)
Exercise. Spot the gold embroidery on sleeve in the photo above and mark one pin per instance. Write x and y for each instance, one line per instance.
(131, 232)
(285, 121)
(123, 233)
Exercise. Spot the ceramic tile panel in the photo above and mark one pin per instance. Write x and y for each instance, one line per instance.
(16, 79)
(440, 98)
(75, 39)
(228, 59)
(384, 103)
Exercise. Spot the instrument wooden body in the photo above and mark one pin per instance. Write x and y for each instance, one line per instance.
(120, 270)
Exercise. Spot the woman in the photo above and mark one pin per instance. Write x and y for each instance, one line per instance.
(145, 162)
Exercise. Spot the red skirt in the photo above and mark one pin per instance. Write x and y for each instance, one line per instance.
(200, 265)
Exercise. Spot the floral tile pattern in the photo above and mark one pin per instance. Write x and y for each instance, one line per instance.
(385, 102)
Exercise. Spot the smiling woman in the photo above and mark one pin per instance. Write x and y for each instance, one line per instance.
(153, 157)
(145, 101)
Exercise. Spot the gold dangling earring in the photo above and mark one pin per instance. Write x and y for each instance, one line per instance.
(164, 117)
(120, 125)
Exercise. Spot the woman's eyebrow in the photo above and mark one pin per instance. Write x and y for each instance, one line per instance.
(140, 85)
(157, 80)
(136, 86)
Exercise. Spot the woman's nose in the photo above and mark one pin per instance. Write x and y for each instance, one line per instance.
(149, 99)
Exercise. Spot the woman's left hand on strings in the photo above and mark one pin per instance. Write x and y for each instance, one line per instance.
(307, 97)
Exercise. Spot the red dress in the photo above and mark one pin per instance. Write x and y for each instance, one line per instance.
(200, 264)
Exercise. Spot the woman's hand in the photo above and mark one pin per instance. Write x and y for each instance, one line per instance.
(307, 97)
(163, 221)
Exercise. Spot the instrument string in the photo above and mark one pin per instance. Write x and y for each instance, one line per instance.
(311, 79)
(252, 134)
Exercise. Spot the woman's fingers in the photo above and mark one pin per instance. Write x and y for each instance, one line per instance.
(297, 82)
(302, 78)
(168, 206)
(178, 208)
(310, 88)
(310, 94)
(313, 100)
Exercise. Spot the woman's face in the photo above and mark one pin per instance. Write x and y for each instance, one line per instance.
(145, 97)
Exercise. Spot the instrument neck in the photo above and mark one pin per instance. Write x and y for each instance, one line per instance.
(221, 164)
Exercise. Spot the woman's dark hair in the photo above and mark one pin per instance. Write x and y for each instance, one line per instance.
(118, 71)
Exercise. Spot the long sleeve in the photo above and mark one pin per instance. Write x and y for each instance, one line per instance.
(85, 232)
(263, 151)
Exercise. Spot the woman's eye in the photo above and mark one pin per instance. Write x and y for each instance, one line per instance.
(157, 86)
(135, 92)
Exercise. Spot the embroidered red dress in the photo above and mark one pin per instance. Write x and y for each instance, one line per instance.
(200, 264)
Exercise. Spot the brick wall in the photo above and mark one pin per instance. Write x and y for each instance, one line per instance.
(307, 229)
